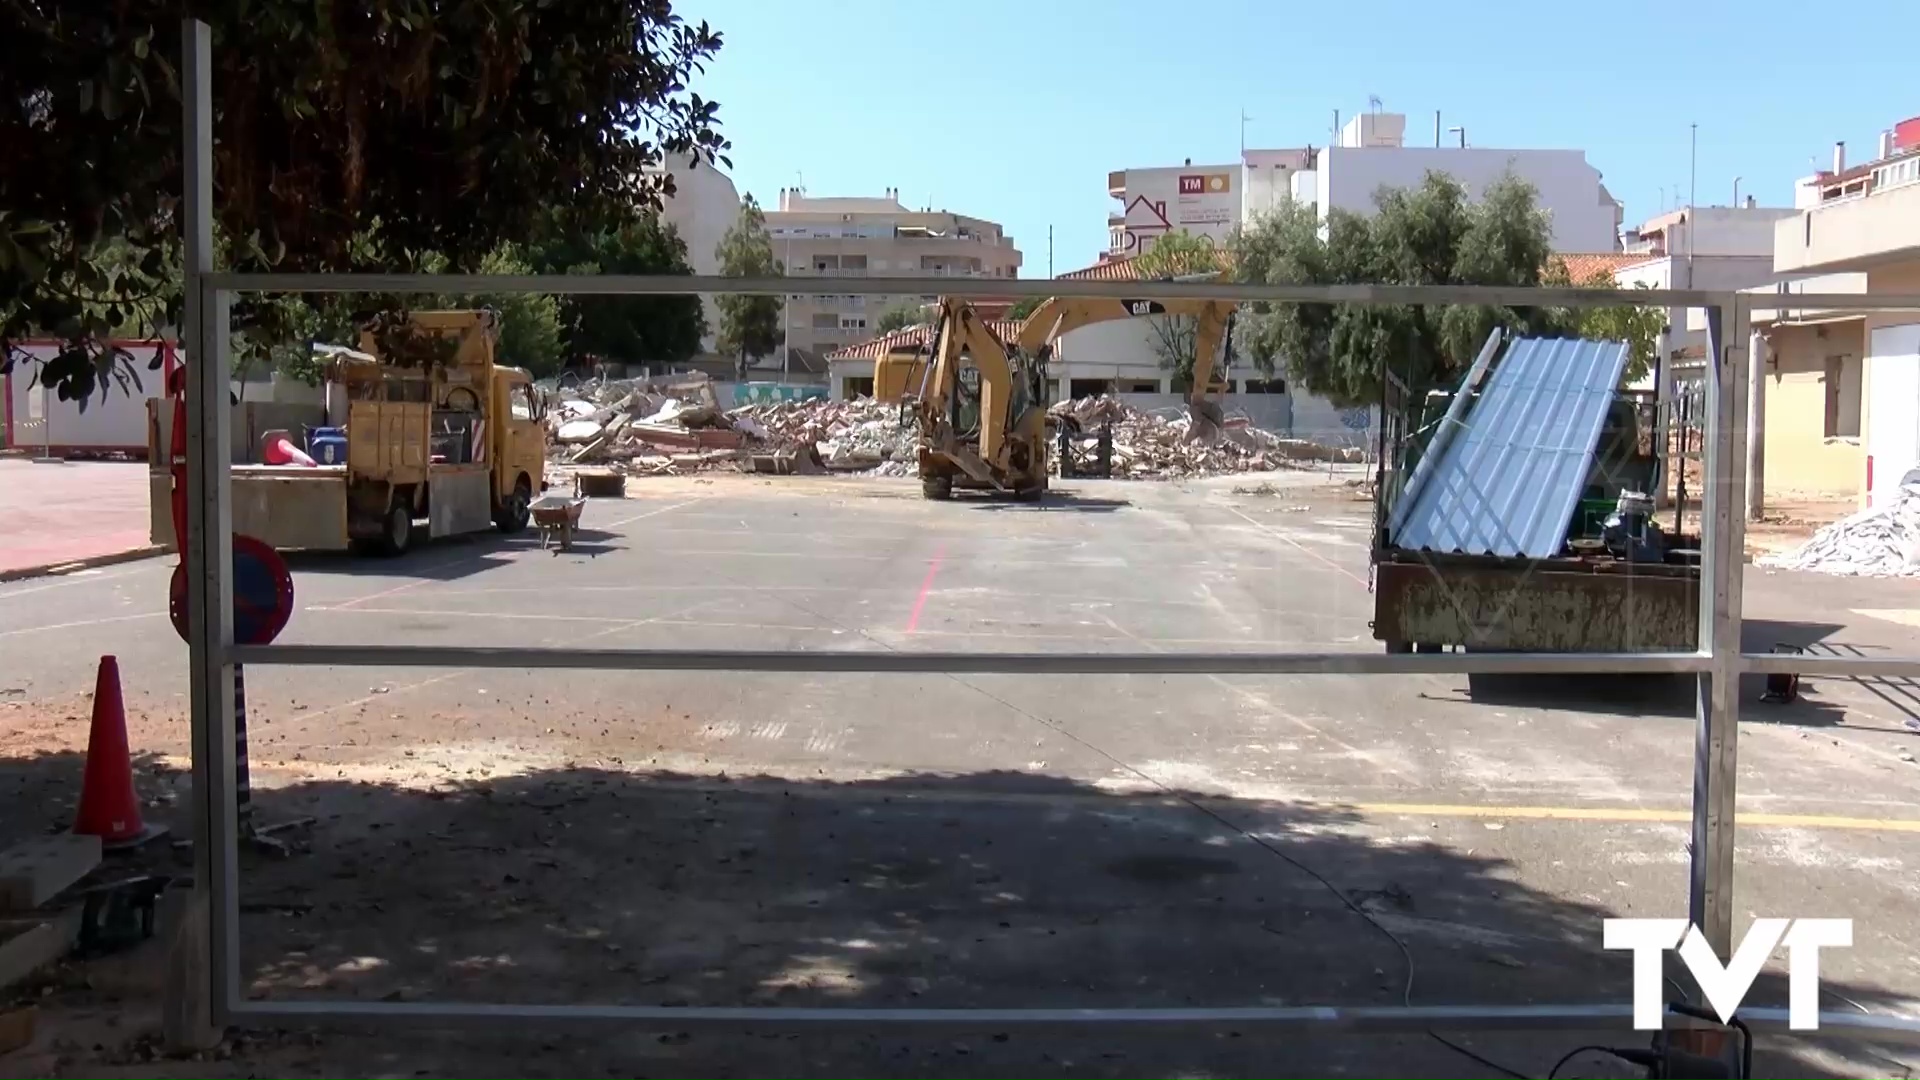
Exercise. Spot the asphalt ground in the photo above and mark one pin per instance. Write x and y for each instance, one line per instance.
(719, 838)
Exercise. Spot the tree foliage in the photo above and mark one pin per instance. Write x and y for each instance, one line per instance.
(633, 329)
(531, 333)
(1428, 235)
(903, 316)
(346, 136)
(1175, 337)
(750, 326)
(1636, 324)
(1024, 308)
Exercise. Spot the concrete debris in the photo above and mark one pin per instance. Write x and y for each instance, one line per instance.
(1156, 445)
(1880, 542)
(653, 427)
(860, 434)
(645, 428)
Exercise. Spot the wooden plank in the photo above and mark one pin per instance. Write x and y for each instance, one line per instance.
(26, 948)
(35, 872)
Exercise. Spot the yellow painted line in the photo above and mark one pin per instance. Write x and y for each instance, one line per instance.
(1632, 814)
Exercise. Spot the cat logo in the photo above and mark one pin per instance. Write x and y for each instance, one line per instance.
(1144, 307)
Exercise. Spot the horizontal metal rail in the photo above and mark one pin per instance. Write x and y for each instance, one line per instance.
(1855, 667)
(1778, 301)
(806, 285)
(1319, 1017)
(876, 661)
(810, 285)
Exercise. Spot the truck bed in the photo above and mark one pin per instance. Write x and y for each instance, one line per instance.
(1549, 605)
(290, 472)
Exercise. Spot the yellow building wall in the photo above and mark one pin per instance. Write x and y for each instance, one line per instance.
(1800, 457)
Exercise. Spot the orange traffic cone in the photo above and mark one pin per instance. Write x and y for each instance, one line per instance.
(109, 809)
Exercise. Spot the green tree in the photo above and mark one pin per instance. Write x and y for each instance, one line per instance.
(531, 334)
(899, 318)
(1636, 324)
(1024, 308)
(1174, 337)
(1427, 235)
(449, 125)
(750, 326)
(637, 329)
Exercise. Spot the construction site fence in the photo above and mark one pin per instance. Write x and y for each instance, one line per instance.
(212, 989)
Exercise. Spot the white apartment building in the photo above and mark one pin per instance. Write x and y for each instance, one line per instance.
(879, 237)
(1698, 247)
(1211, 200)
(704, 206)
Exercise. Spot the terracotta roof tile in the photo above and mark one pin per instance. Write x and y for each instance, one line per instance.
(915, 337)
(1120, 268)
(1584, 266)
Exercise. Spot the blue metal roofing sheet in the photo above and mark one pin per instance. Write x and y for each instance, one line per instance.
(1507, 484)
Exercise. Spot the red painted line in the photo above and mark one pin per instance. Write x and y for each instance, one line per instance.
(926, 586)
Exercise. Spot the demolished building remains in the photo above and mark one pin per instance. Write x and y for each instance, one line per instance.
(668, 426)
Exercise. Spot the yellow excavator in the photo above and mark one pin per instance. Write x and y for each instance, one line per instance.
(982, 403)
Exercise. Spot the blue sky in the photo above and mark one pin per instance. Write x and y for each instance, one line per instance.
(1016, 111)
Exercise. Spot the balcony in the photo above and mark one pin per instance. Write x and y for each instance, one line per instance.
(1851, 234)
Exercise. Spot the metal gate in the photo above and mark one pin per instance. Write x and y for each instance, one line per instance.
(212, 989)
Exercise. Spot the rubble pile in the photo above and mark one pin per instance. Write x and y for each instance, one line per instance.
(1155, 445)
(860, 434)
(643, 427)
(1880, 542)
(665, 427)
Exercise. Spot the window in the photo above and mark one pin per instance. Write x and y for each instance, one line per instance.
(525, 402)
(826, 320)
(1842, 381)
(856, 387)
(1264, 386)
(853, 322)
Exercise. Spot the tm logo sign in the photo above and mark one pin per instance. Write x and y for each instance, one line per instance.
(1725, 986)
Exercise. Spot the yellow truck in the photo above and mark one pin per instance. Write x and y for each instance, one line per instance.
(457, 443)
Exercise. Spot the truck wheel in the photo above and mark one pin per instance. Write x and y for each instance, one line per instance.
(937, 487)
(1029, 495)
(398, 533)
(514, 508)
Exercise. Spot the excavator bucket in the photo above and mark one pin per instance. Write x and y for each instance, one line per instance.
(1203, 421)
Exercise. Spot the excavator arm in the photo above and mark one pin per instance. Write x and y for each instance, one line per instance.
(1061, 315)
(1214, 325)
(959, 331)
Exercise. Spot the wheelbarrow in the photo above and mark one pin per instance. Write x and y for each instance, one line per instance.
(557, 517)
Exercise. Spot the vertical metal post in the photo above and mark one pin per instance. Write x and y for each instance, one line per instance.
(1756, 424)
(1716, 741)
(1664, 408)
(214, 907)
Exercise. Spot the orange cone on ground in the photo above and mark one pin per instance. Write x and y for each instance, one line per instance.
(109, 809)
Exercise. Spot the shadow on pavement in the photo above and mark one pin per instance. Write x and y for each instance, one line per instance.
(1674, 695)
(447, 559)
(584, 884)
(1056, 500)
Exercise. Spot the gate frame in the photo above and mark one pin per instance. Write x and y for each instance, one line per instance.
(205, 980)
